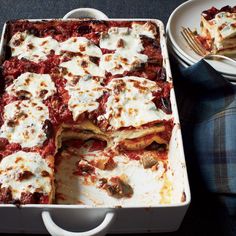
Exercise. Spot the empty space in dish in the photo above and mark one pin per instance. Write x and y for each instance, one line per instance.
(164, 186)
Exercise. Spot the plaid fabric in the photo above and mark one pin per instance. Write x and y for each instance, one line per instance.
(207, 109)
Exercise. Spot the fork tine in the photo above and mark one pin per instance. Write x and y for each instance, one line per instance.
(189, 42)
(198, 43)
(192, 42)
(195, 44)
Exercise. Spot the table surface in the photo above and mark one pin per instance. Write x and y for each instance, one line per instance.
(200, 219)
(37, 9)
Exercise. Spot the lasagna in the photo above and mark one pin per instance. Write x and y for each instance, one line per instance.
(84, 103)
(218, 30)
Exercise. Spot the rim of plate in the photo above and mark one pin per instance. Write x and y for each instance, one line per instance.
(179, 59)
(177, 52)
(231, 78)
(182, 60)
(182, 54)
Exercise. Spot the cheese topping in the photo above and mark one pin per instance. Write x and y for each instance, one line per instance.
(130, 102)
(128, 45)
(30, 47)
(14, 167)
(80, 66)
(23, 122)
(31, 85)
(24, 45)
(82, 45)
(84, 94)
(121, 37)
(127, 38)
(122, 61)
(146, 29)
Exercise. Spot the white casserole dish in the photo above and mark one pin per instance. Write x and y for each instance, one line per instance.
(101, 220)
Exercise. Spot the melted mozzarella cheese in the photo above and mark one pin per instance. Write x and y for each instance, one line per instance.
(80, 66)
(127, 45)
(146, 29)
(32, 85)
(30, 47)
(127, 38)
(23, 122)
(130, 102)
(14, 165)
(122, 61)
(82, 45)
(123, 36)
(84, 95)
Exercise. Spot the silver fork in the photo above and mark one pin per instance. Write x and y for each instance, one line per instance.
(197, 47)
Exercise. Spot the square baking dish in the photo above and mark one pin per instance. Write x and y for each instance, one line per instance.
(68, 219)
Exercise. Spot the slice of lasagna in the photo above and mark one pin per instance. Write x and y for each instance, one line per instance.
(218, 30)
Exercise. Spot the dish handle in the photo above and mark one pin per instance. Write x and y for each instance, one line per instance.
(54, 229)
(86, 13)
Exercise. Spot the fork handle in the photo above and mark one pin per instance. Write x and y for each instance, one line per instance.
(220, 56)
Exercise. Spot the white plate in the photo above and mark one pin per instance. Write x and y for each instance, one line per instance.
(182, 61)
(229, 77)
(177, 58)
(188, 15)
(178, 53)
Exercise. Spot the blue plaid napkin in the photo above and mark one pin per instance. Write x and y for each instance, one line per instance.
(207, 110)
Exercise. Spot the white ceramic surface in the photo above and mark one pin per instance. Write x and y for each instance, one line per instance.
(176, 57)
(229, 77)
(185, 63)
(100, 230)
(188, 15)
(86, 13)
(181, 60)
